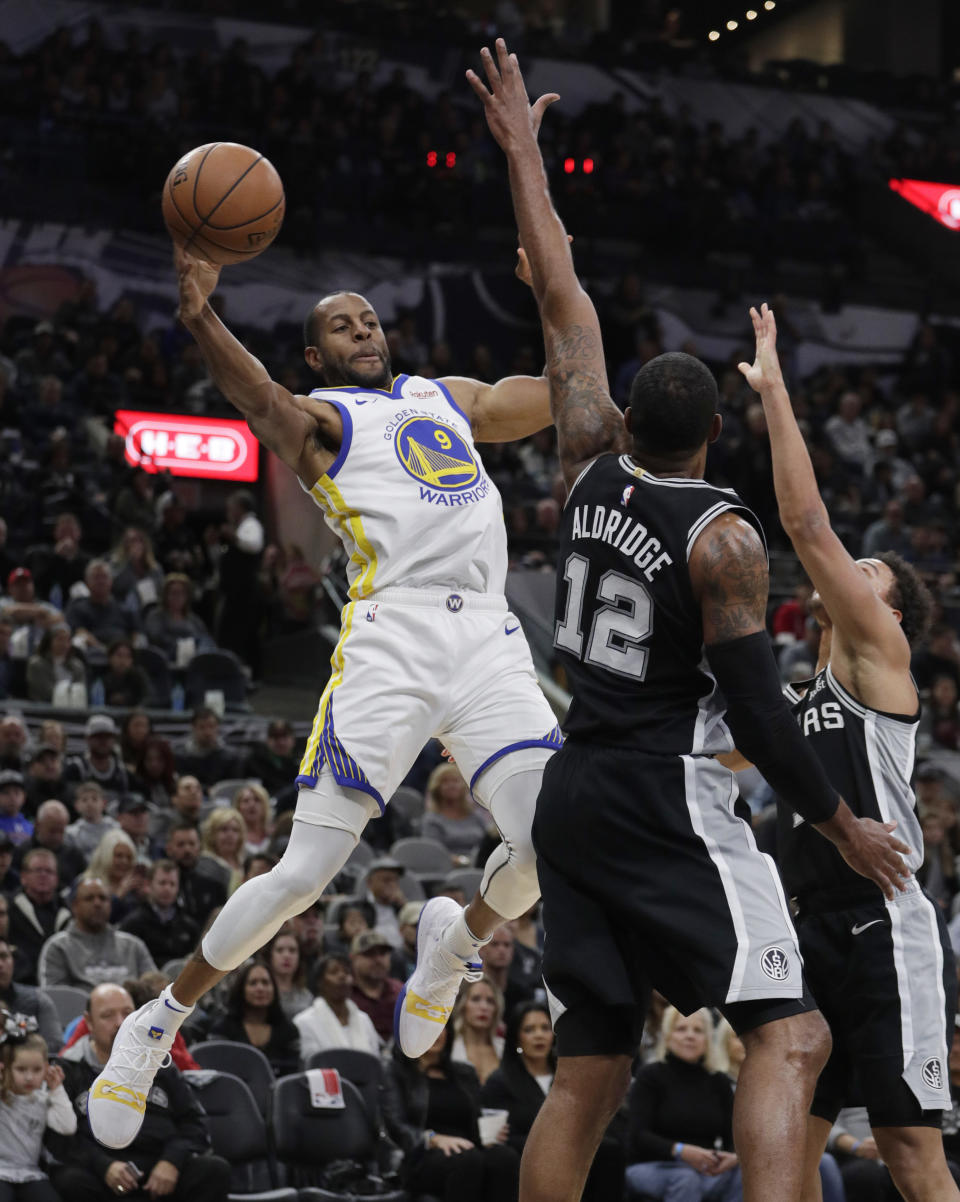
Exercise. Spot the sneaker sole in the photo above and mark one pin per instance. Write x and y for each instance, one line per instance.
(402, 997)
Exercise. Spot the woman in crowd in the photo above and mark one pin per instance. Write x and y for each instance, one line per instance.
(135, 570)
(124, 682)
(252, 802)
(173, 620)
(475, 1021)
(222, 837)
(681, 1119)
(135, 729)
(449, 815)
(352, 915)
(254, 1016)
(282, 953)
(114, 861)
(524, 1079)
(334, 1020)
(431, 1110)
(55, 661)
(155, 774)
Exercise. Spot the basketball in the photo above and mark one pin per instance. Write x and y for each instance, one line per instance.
(223, 202)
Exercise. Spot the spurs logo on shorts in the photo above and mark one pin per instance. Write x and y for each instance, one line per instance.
(775, 963)
(932, 1073)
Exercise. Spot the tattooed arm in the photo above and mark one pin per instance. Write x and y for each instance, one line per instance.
(588, 423)
(728, 571)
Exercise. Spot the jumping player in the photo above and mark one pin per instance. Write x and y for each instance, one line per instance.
(427, 647)
(882, 970)
(648, 878)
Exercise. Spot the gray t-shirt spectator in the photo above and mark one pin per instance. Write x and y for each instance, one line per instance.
(86, 959)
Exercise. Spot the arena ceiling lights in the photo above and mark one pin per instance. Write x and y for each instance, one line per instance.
(732, 22)
(939, 201)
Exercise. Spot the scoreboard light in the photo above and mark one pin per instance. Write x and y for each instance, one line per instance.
(939, 201)
(211, 448)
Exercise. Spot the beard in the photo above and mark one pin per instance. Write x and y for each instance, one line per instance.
(345, 373)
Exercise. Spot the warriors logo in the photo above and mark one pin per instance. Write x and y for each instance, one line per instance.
(435, 454)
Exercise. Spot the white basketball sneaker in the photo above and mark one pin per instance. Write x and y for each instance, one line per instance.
(424, 1005)
(118, 1098)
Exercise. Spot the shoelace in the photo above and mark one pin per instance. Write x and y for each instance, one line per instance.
(141, 1060)
(475, 971)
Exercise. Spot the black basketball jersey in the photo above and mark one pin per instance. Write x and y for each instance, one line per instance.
(628, 627)
(868, 756)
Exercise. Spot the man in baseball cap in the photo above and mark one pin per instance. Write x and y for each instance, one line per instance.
(374, 990)
(100, 762)
(384, 892)
(21, 607)
(12, 797)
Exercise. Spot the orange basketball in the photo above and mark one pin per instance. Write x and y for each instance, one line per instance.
(223, 202)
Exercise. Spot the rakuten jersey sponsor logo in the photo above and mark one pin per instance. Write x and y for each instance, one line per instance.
(214, 448)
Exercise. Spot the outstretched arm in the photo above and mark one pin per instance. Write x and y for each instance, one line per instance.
(588, 423)
(861, 621)
(272, 414)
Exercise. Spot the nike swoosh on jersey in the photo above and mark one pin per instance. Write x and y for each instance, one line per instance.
(510, 629)
(860, 927)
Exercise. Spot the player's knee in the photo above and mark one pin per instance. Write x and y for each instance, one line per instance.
(801, 1041)
(297, 879)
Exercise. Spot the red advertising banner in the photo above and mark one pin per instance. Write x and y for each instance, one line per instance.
(939, 201)
(210, 447)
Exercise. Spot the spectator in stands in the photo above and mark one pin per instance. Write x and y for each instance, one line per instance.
(155, 774)
(798, 660)
(385, 895)
(172, 626)
(28, 616)
(172, 1147)
(308, 929)
(475, 1021)
(161, 920)
(135, 729)
(200, 894)
(403, 959)
(44, 777)
(14, 742)
(523, 1080)
(136, 571)
(5, 900)
(937, 874)
(41, 356)
(204, 754)
(49, 833)
(100, 762)
(500, 966)
(99, 618)
(352, 916)
(849, 434)
(9, 877)
(36, 912)
(114, 862)
(254, 1016)
(940, 656)
(175, 544)
(942, 713)
(13, 795)
(133, 818)
(681, 1118)
(239, 586)
(89, 951)
(374, 990)
(951, 1118)
(67, 565)
(222, 837)
(885, 454)
(333, 1019)
(125, 684)
(135, 501)
(25, 999)
(85, 834)
(431, 1109)
(186, 803)
(52, 734)
(282, 954)
(790, 617)
(274, 762)
(449, 815)
(257, 864)
(252, 803)
(55, 661)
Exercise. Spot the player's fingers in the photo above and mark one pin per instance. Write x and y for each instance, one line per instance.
(506, 61)
(744, 368)
(540, 106)
(473, 79)
(493, 75)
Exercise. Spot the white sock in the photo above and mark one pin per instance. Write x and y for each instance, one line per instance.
(460, 940)
(174, 1012)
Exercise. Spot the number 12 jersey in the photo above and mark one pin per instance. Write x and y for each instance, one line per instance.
(628, 629)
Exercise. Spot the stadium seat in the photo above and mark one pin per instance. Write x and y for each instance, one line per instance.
(68, 1001)
(363, 1069)
(222, 792)
(409, 803)
(467, 879)
(240, 1060)
(155, 664)
(211, 670)
(426, 859)
(238, 1133)
(308, 1140)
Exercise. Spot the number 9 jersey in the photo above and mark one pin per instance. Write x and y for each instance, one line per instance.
(628, 627)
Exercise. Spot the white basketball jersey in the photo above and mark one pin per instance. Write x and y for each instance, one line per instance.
(407, 493)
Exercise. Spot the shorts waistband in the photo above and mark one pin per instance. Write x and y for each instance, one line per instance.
(826, 901)
(452, 600)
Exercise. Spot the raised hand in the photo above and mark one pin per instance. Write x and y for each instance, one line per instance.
(765, 371)
(510, 115)
(197, 279)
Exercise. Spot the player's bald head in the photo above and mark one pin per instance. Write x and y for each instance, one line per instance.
(324, 308)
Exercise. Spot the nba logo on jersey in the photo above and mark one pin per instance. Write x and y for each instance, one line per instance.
(627, 494)
(774, 962)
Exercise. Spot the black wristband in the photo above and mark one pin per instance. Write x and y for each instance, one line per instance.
(764, 728)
